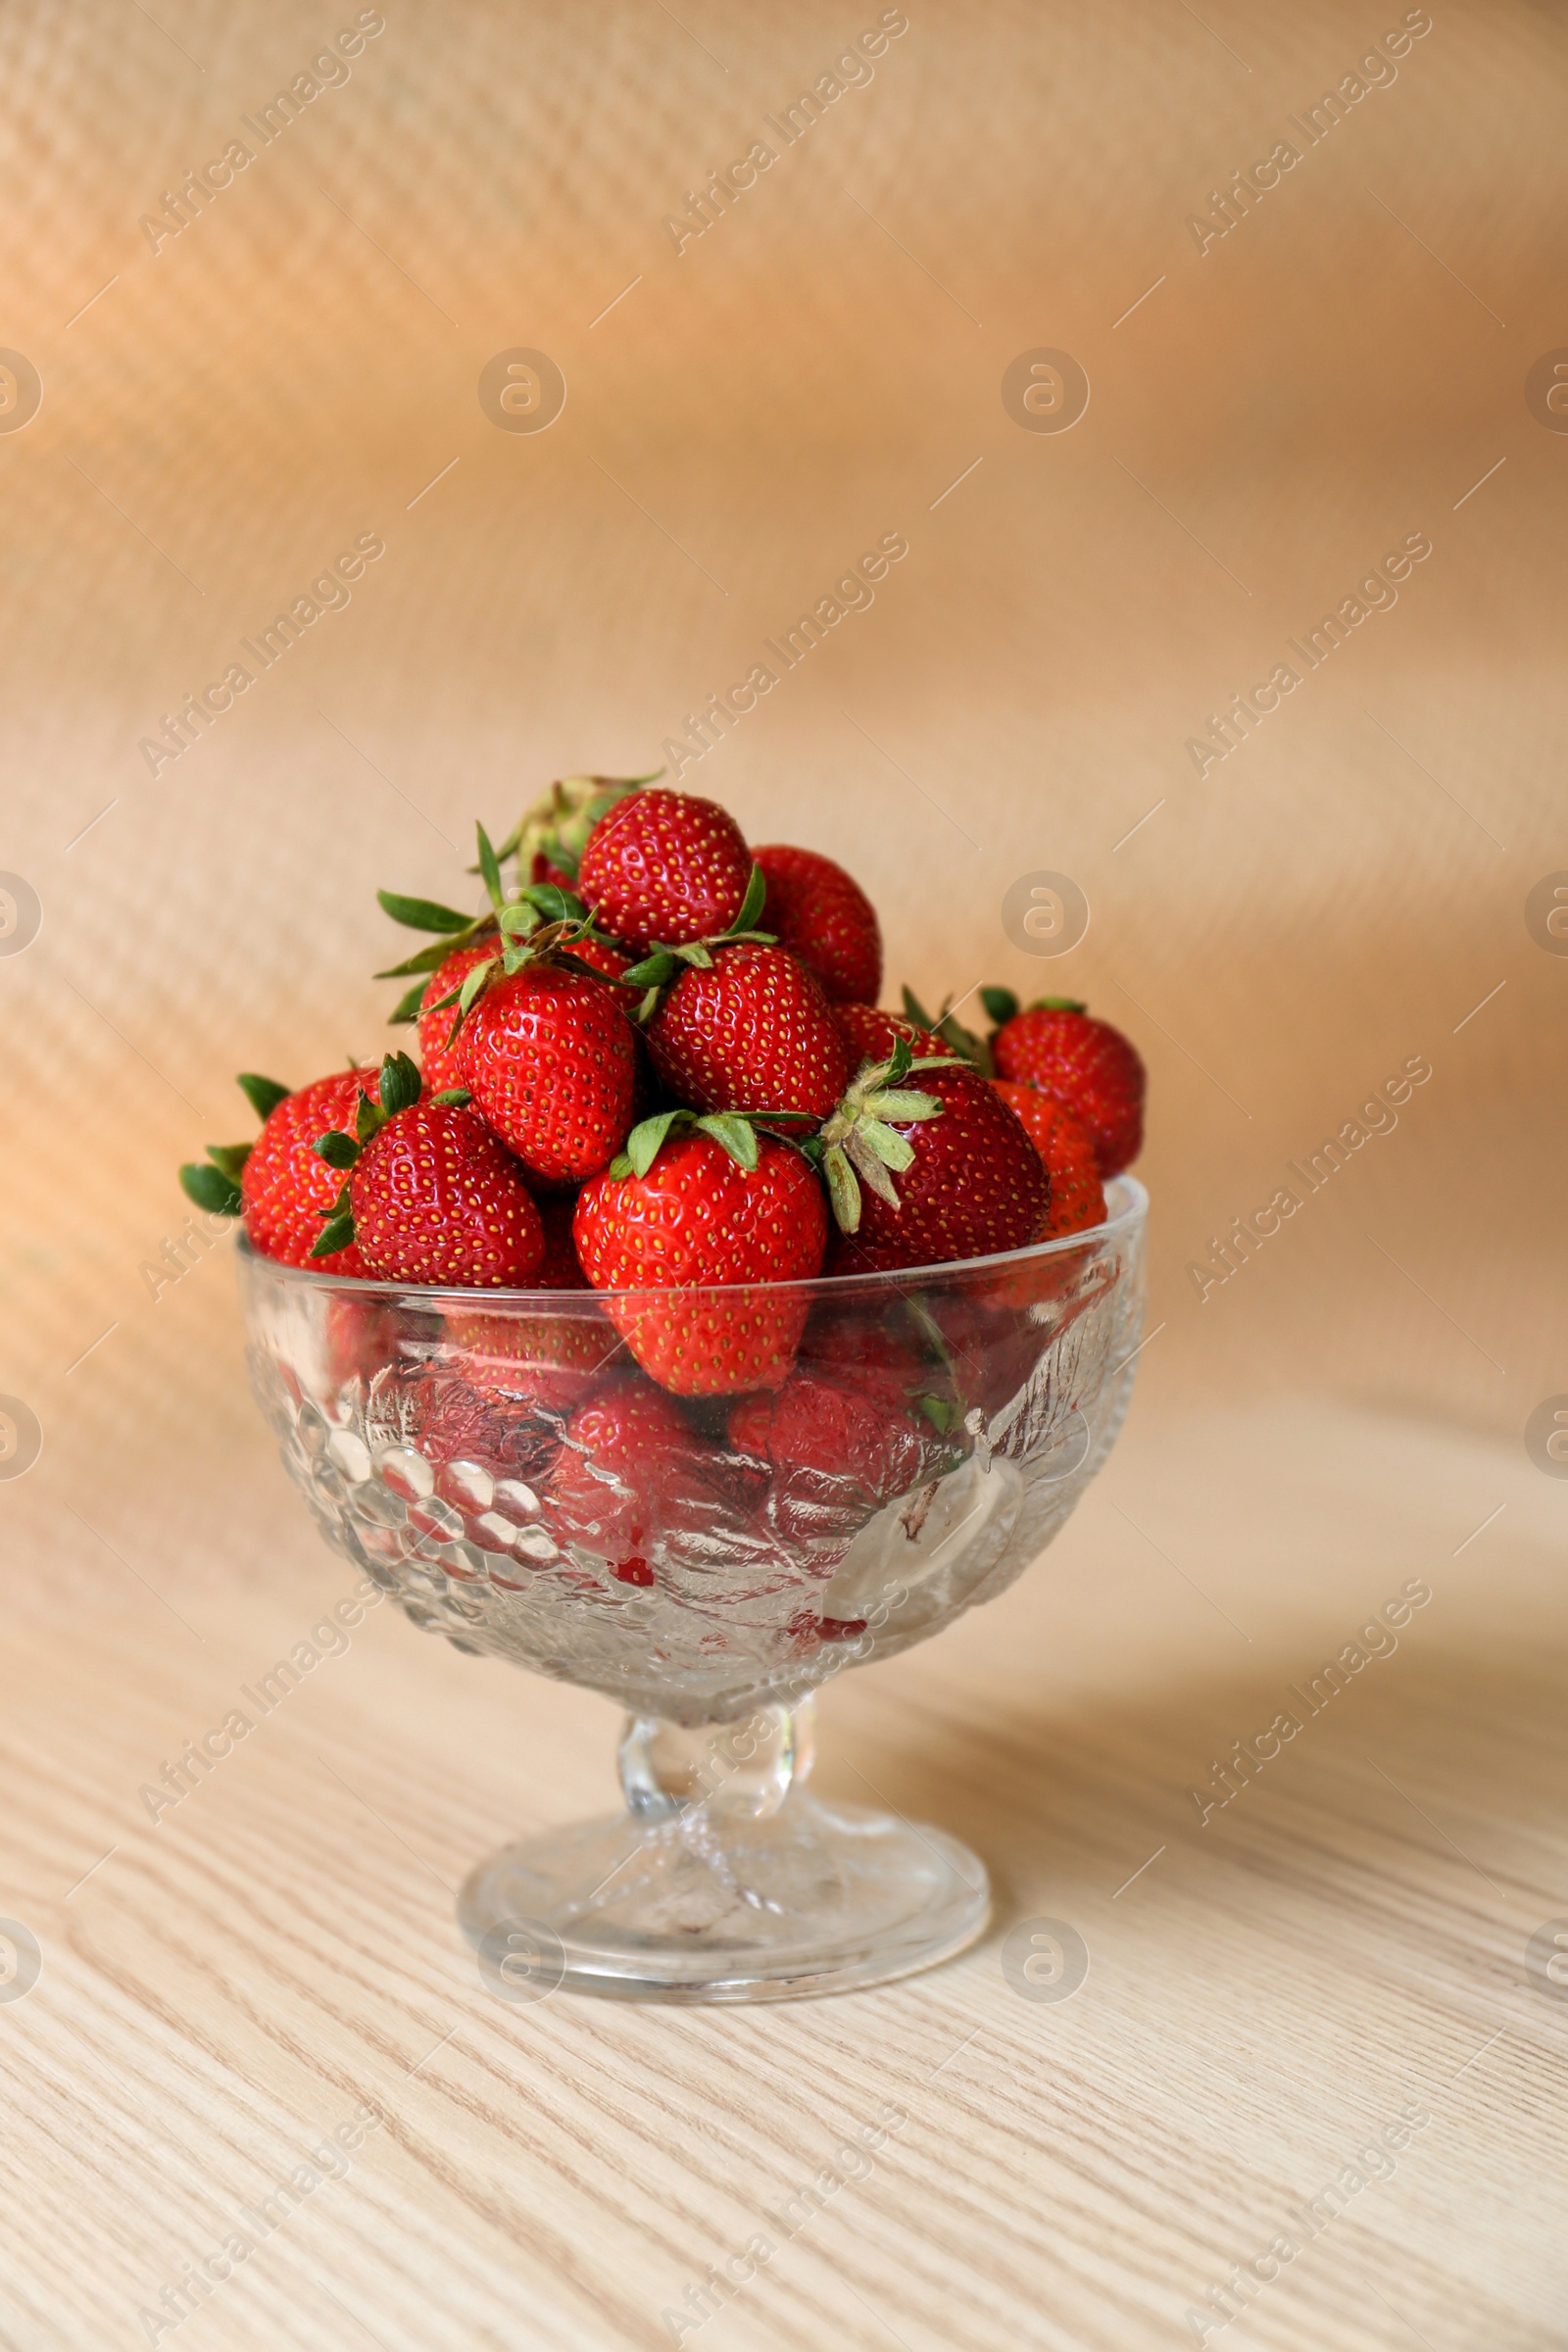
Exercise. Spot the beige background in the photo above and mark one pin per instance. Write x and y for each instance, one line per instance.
(294, 369)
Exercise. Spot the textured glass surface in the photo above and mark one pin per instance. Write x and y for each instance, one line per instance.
(501, 1466)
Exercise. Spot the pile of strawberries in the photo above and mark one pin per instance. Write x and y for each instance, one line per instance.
(654, 1066)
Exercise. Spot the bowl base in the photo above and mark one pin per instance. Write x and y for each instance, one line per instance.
(701, 1905)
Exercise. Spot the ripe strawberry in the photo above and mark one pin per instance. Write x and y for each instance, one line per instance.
(358, 1336)
(549, 1060)
(836, 1450)
(454, 1421)
(551, 1359)
(663, 868)
(1066, 1146)
(431, 1196)
(690, 1212)
(1085, 1063)
(285, 1188)
(752, 1031)
(824, 918)
(631, 1466)
(550, 836)
(969, 1181)
(558, 1269)
(602, 956)
(870, 1034)
(438, 1060)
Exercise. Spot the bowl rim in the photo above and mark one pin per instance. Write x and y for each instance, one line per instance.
(1129, 1216)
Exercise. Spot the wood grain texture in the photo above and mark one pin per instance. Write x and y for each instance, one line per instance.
(226, 1987)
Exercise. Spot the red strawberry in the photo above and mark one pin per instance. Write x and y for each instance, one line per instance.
(558, 1269)
(438, 1061)
(602, 956)
(822, 917)
(631, 1466)
(452, 1421)
(550, 838)
(553, 1360)
(663, 868)
(285, 1188)
(359, 1334)
(697, 1216)
(1066, 1146)
(870, 1034)
(750, 1032)
(541, 870)
(435, 1198)
(837, 1450)
(1085, 1063)
(550, 1058)
(969, 1181)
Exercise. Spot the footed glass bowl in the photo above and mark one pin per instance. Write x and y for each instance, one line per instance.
(498, 1462)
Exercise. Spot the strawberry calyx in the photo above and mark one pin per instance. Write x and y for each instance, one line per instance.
(734, 1131)
(399, 1089)
(558, 825)
(530, 922)
(964, 1042)
(858, 1141)
(662, 966)
(1003, 1006)
(215, 1184)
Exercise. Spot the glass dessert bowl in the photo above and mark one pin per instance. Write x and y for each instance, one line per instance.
(497, 1462)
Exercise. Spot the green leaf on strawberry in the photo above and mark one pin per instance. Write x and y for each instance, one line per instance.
(339, 1151)
(1001, 1005)
(964, 1042)
(858, 1142)
(553, 904)
(336, 1233)
(735, 1134)
(751, 908)
(490, 870)
(473, 984)
(263, 1095)
(400, 1084)
(653, 971)
(734, 1131)
(406, 1008)
(431, 959)
(644, 1144)
(211, 1190)
(231, 1158)
(423, 914)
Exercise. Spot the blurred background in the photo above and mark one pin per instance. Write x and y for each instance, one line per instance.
(209, 396)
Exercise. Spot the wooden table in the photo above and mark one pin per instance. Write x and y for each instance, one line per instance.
(273, 1960)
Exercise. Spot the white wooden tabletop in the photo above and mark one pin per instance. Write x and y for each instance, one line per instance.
(1320, 1993)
